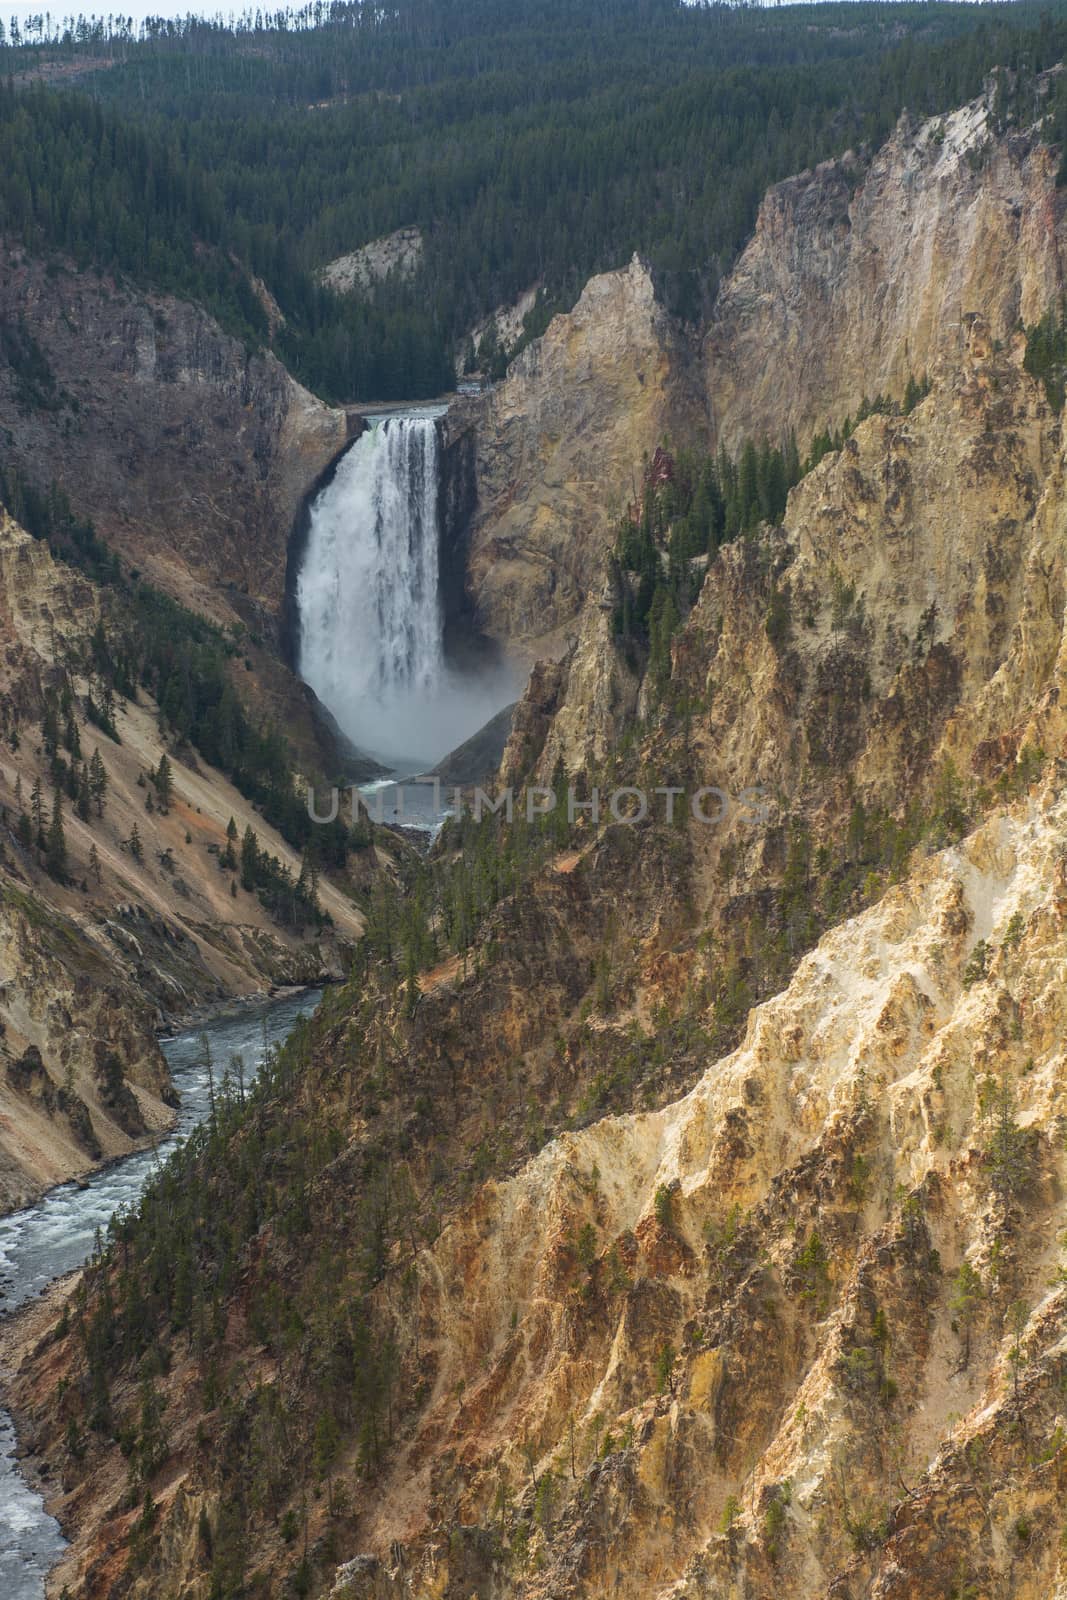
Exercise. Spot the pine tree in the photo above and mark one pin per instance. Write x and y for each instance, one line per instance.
(228, 859)
(748, 485)
(964, 1305)
(83, 803)
(135, 845)
(98, 782)
(249, 859)
(308, 884)
(37, 813)
(56, 850)
(50, 725)
(1008, 1152)
(164, 783)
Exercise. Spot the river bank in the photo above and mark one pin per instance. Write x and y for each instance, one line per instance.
(42, 1249)
(31, 1496)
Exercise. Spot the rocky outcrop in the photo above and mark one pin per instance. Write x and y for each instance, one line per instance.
(398, 254)
(858, 276)
(594, 699)
(507, 321)
(100, 1083)
(559, 442)
(190, 454)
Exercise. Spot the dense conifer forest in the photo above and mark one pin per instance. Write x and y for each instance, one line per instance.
(531, 143)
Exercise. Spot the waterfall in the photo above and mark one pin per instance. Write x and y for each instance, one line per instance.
(370, 639)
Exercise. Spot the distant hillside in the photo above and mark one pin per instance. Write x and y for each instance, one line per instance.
(544, 142)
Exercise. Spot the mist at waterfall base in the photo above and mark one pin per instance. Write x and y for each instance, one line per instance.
(368, 595)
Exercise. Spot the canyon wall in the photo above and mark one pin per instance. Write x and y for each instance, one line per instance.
(95, 960)
(858, 277)
(193, 456)
(695, 1230)
(190, 454)
(560, 444)
(680, 1298)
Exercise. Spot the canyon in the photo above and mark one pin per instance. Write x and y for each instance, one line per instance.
(129, 941)
(698, 1231)
(859, 275)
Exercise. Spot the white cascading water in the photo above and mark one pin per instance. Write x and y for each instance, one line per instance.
(371, 643)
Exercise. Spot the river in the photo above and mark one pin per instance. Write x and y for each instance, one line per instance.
(46, 1240)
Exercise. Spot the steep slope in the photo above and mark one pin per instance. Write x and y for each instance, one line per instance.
(190, 454)
(859, 277)
(96, 956)
(715, 1349)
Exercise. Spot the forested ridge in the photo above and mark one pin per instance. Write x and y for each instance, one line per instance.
(539, 142)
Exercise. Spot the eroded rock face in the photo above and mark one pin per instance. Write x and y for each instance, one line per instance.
(708, 1362)
(857, 279)
(859, 276)
(559, 441)
(397, 254)
(102, 1083)
(920, 575)
(594, 699)
(189, 454)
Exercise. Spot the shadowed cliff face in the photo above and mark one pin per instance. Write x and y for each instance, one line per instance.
(189, 454)
(456, 509)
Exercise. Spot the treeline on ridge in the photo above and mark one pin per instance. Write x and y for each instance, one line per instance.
(538, 143)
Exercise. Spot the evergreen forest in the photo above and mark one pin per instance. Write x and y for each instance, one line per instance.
(533, 142)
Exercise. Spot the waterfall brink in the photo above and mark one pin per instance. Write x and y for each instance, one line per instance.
(371, 631)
